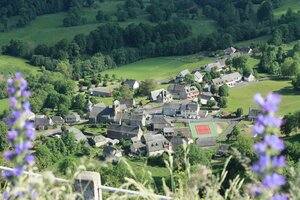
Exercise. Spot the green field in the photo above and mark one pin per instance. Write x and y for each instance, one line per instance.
(285, 5)
(212, 127)
(4, 103)
(48, 29)
(243, 96)
(157, 68)
(10, 65)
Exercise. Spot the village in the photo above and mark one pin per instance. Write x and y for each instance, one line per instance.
(179, 114)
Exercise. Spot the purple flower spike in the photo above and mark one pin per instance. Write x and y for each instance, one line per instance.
(11, 135)
(258, 129)
(21, 131)
(259, 100)
(280, 197)
(269, 149)
(278, 161)
(274, 180)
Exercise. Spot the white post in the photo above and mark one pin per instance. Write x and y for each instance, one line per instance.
(87, 183)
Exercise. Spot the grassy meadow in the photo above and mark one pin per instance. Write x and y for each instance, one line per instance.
(243, 96)
(48, 29)
(285, 5)
(10, 65)
(158, 68)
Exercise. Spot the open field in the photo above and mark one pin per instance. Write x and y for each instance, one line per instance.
(243, 96)
(4, 103)
(285, 5)
(157, 68)
(247, 43)
(48, 29)
(10, 65)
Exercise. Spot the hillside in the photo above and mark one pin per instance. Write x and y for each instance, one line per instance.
(48, 28)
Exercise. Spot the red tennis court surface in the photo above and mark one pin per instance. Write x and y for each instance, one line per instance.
(202, 129)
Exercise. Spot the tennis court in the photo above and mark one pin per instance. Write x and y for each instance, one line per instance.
(203, 129)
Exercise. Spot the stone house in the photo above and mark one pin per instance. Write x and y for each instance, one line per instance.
(133, 84)
(126, 132)
(249, 77)
(159, 122)
(183, 92)
(181, 75)
(99, 140)
(161, 96)
(72, 118)
(198, 77)
(101, 92)
(42, 122)
(253, 114)
(171, 109)
(217, 66)
(246, 50)
(189, 109)
(205, 97)
(58, 120)
(155, 144)
(229, 51)
(112, 154)
(229, 79)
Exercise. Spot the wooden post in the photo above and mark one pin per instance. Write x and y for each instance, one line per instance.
(87, 184)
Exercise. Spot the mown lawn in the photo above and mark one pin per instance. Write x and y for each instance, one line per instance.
(243, 96)
(157, 68)
(10, 65)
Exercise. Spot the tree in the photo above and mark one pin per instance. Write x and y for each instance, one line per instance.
(100, 16)
(224, 90)
(288, 125)
(79, 102)
(244, 144)
(296, 82)
(44, 157)
(211, 103)
(234, 134)
(126, 93)
(239, 112)
(264, 11)
(147, 86)
(68, 164)
(239, 62)
(3, 136)
(223, 102)
(189, 78)
(214, 89)
(196, 155)
(289, 67)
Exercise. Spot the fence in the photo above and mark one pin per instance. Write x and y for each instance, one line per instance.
(89, 185)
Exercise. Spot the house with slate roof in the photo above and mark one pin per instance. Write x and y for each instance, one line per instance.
(159, 122)
(42, 122)
(183, 92)
(132, 118)
(126, 132)
(246, 50)
(72, 118)
(58, 120)
(229, 51)
(155, 144)
(112, 154)
(249, 77)
(133, 84)
(161, 96)
(217, 66)
(198, 77)
(130, 103)
(229, 79)
(253, 114)
(101, 92)
(171, 109)
(205, 97)
(181, 75)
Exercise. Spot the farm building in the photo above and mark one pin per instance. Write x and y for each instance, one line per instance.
(133, 84)
(229, 79)
(101, 92)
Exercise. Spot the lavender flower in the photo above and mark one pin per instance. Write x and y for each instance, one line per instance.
(21, 131)
(269, 150)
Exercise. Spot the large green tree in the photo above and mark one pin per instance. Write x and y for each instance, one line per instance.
(3, 136)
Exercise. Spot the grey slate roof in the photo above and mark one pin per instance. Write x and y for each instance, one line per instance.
(189, 106)
(77, 133)
(198, 75)
(160, 119)
(227, 78)
(117, 131)
(129, 82)
(253, 113)
(156, 142)
(172, 105)
(101, 89)
(206, 142)
(42, 120)
(184, 73)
